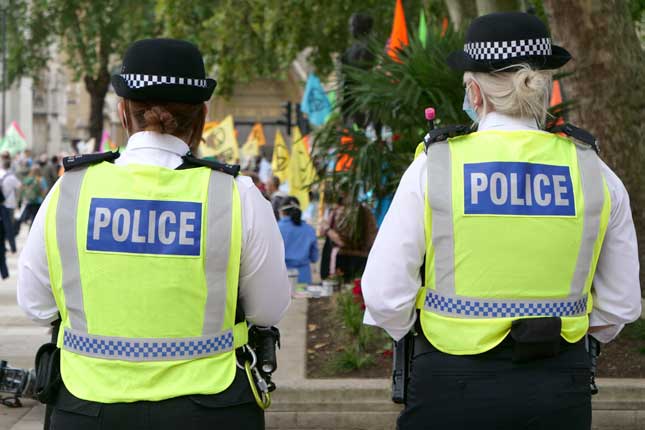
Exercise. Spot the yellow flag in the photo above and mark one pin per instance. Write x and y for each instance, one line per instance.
(221, 142)
(280, 161)
(301, 169)
(209, 125)
(258, 134)
(251, 147)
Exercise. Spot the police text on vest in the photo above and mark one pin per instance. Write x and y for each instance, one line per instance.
(513, 188)
(144, 226)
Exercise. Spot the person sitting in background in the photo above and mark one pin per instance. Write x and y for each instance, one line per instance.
(300, 242)
(350, 234)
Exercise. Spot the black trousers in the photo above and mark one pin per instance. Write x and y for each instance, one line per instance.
(235, 408)
(7, 224)
(490, 392)
(4, 270)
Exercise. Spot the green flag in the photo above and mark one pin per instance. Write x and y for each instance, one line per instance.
(14, 140)
(423, 28)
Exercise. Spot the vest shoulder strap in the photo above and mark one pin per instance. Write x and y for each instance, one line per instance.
(75, 161)
(191, 162)
(578, 134)
(442, 134)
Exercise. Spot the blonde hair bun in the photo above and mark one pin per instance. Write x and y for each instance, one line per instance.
(517, 91)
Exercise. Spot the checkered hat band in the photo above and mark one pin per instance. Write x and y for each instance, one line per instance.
(136, 81)
(503, 50)
(160, 349)
(468, 307)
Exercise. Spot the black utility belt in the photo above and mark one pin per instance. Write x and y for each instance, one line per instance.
(530, 339)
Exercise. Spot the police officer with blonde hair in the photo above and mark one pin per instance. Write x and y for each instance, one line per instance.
(528, 244)
(155, 261)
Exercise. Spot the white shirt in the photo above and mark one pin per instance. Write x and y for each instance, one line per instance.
(10, 187)
(391, 279)
(264, 287)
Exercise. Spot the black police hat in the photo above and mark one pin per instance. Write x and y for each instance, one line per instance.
(500, 40)
(163, 70)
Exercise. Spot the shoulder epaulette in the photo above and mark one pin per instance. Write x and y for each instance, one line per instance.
(191, 162)
(441, 134)
(74, 161)
(579, 134)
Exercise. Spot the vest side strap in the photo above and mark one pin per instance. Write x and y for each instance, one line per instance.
(240, 334)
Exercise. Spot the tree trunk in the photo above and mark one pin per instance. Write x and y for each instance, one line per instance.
(97, 88)
(461, 11)
(608, 87)
(489, 6)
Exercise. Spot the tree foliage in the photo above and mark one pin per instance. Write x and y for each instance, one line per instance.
(89, 32)
(248, 39)
(92, 35)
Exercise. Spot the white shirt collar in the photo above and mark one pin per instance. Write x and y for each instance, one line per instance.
(498, 121)
(158, 141)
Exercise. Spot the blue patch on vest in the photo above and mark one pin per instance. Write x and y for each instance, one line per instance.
(512, 188)
(145, 226)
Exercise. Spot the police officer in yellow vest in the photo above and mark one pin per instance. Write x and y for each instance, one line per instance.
(155, 261)
(528, 245)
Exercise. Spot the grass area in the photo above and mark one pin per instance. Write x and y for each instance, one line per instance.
(363, 342)
(636, 331)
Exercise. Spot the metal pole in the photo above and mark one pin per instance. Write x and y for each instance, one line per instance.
(4, 67)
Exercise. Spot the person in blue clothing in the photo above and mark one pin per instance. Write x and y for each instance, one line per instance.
(300, 242)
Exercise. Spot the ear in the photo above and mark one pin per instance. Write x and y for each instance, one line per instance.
(476, 98)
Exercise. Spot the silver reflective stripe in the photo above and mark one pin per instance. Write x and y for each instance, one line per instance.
(476, 307)
(440, 199)
(148, 349)
(218, 245)
(66, 222)
(594, 198)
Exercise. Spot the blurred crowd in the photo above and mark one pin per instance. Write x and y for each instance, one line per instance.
(346, 231)
(25, 180)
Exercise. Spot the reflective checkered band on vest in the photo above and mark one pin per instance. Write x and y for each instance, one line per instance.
(468, 307)
(502, 50)
(160, 349)
(140, 81)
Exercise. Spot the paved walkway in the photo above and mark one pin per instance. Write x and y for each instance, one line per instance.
(20, 339)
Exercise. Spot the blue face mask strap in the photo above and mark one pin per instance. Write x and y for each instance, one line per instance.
(468, 108)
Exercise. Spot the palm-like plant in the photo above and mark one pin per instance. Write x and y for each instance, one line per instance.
(393, 94)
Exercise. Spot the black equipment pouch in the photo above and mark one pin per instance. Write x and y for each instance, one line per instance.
(593, 348)
(535, 338)
(402, 358)
(48, 377)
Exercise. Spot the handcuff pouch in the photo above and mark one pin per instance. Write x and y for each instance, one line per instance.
(535, 338)
(48, 377)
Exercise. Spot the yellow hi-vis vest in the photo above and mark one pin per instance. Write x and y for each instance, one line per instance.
(514, 223)
(144, 265)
